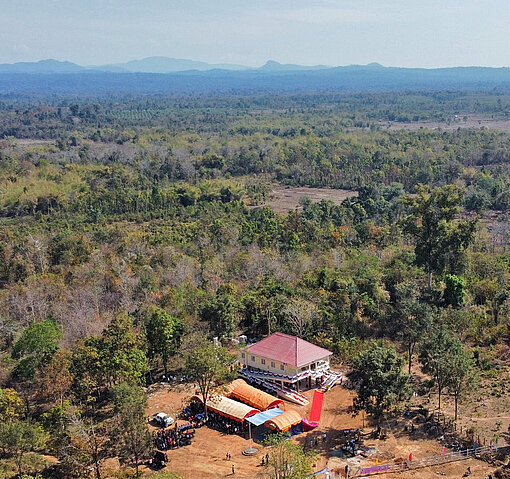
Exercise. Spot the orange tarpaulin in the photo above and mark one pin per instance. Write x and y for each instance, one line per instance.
(228, 407)
(284, 421)
(241, 390)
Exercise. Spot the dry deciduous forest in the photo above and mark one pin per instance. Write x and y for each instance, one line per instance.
(133, 230)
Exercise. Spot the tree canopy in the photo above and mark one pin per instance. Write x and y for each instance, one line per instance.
(208, 366)
(431, 221)
(380, 382)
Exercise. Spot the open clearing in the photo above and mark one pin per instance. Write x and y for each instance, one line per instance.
(463, 121)
(205, 457)
(283, 199)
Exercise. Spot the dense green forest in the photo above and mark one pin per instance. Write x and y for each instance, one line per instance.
(122, 218)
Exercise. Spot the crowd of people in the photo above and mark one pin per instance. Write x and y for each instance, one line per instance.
(179, 436)
(174, 437)
(194, 413)
(224, 424)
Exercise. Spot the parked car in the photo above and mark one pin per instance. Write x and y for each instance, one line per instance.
(162, 419)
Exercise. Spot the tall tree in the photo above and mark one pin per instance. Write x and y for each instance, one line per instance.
(11, 405)
(430, 220)
(35, 347)
(164, 334)
(208, 365)
(435, 356)
(130, 431)
(222, 311)
(55, 378)
(287, 460)
(379, 380)
(462, 375)
(87, 446)
(413, 317)
(19, 437)
(122, 351)
(116, 356)
(300, 313)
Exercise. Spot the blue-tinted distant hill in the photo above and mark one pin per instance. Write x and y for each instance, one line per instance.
(43, 66)
(166, 65)
(272, 66)
(146, 65)
(220, 82)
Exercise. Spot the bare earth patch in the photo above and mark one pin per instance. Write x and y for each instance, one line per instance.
(283, 199)
(205, 457)
(32, 142)
(463, 121)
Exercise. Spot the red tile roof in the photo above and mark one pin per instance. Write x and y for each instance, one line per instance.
(288, 349)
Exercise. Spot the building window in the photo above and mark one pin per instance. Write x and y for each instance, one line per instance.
(272, 364)
(243, 355)
(263, 361)
(313, 366)
(303, 369)
(282, 367)
(253, 359)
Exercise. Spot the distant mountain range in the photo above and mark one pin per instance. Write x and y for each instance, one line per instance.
(165, 65)
(177, 76)
(43, 66)
(146, 65)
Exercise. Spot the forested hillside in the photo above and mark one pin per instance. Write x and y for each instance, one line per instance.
(123, 217)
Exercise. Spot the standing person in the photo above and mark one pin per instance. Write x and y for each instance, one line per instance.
(346, 471)
(233, 469)
(267, 458)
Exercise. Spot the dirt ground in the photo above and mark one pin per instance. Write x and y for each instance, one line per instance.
(32, 142)
(205, 458)
(283, 199)
(471, 121)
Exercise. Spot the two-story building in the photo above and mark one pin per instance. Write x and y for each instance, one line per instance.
(287, 361)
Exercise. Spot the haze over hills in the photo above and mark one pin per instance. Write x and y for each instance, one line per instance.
(166, 65)
(272, 65)
(160, 64)
(156, 64)
(42, 66)
(178, 76)
(147, 65)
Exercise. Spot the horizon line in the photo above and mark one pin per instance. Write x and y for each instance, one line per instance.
(248, 67)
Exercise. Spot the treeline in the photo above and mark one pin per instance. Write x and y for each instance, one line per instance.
(284, 115)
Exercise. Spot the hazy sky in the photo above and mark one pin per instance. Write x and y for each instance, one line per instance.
(428, 33)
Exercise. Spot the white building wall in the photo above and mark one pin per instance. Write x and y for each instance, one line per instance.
(277, 367)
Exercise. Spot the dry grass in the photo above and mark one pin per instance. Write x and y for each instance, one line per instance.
(283, 199)
(471, 121)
